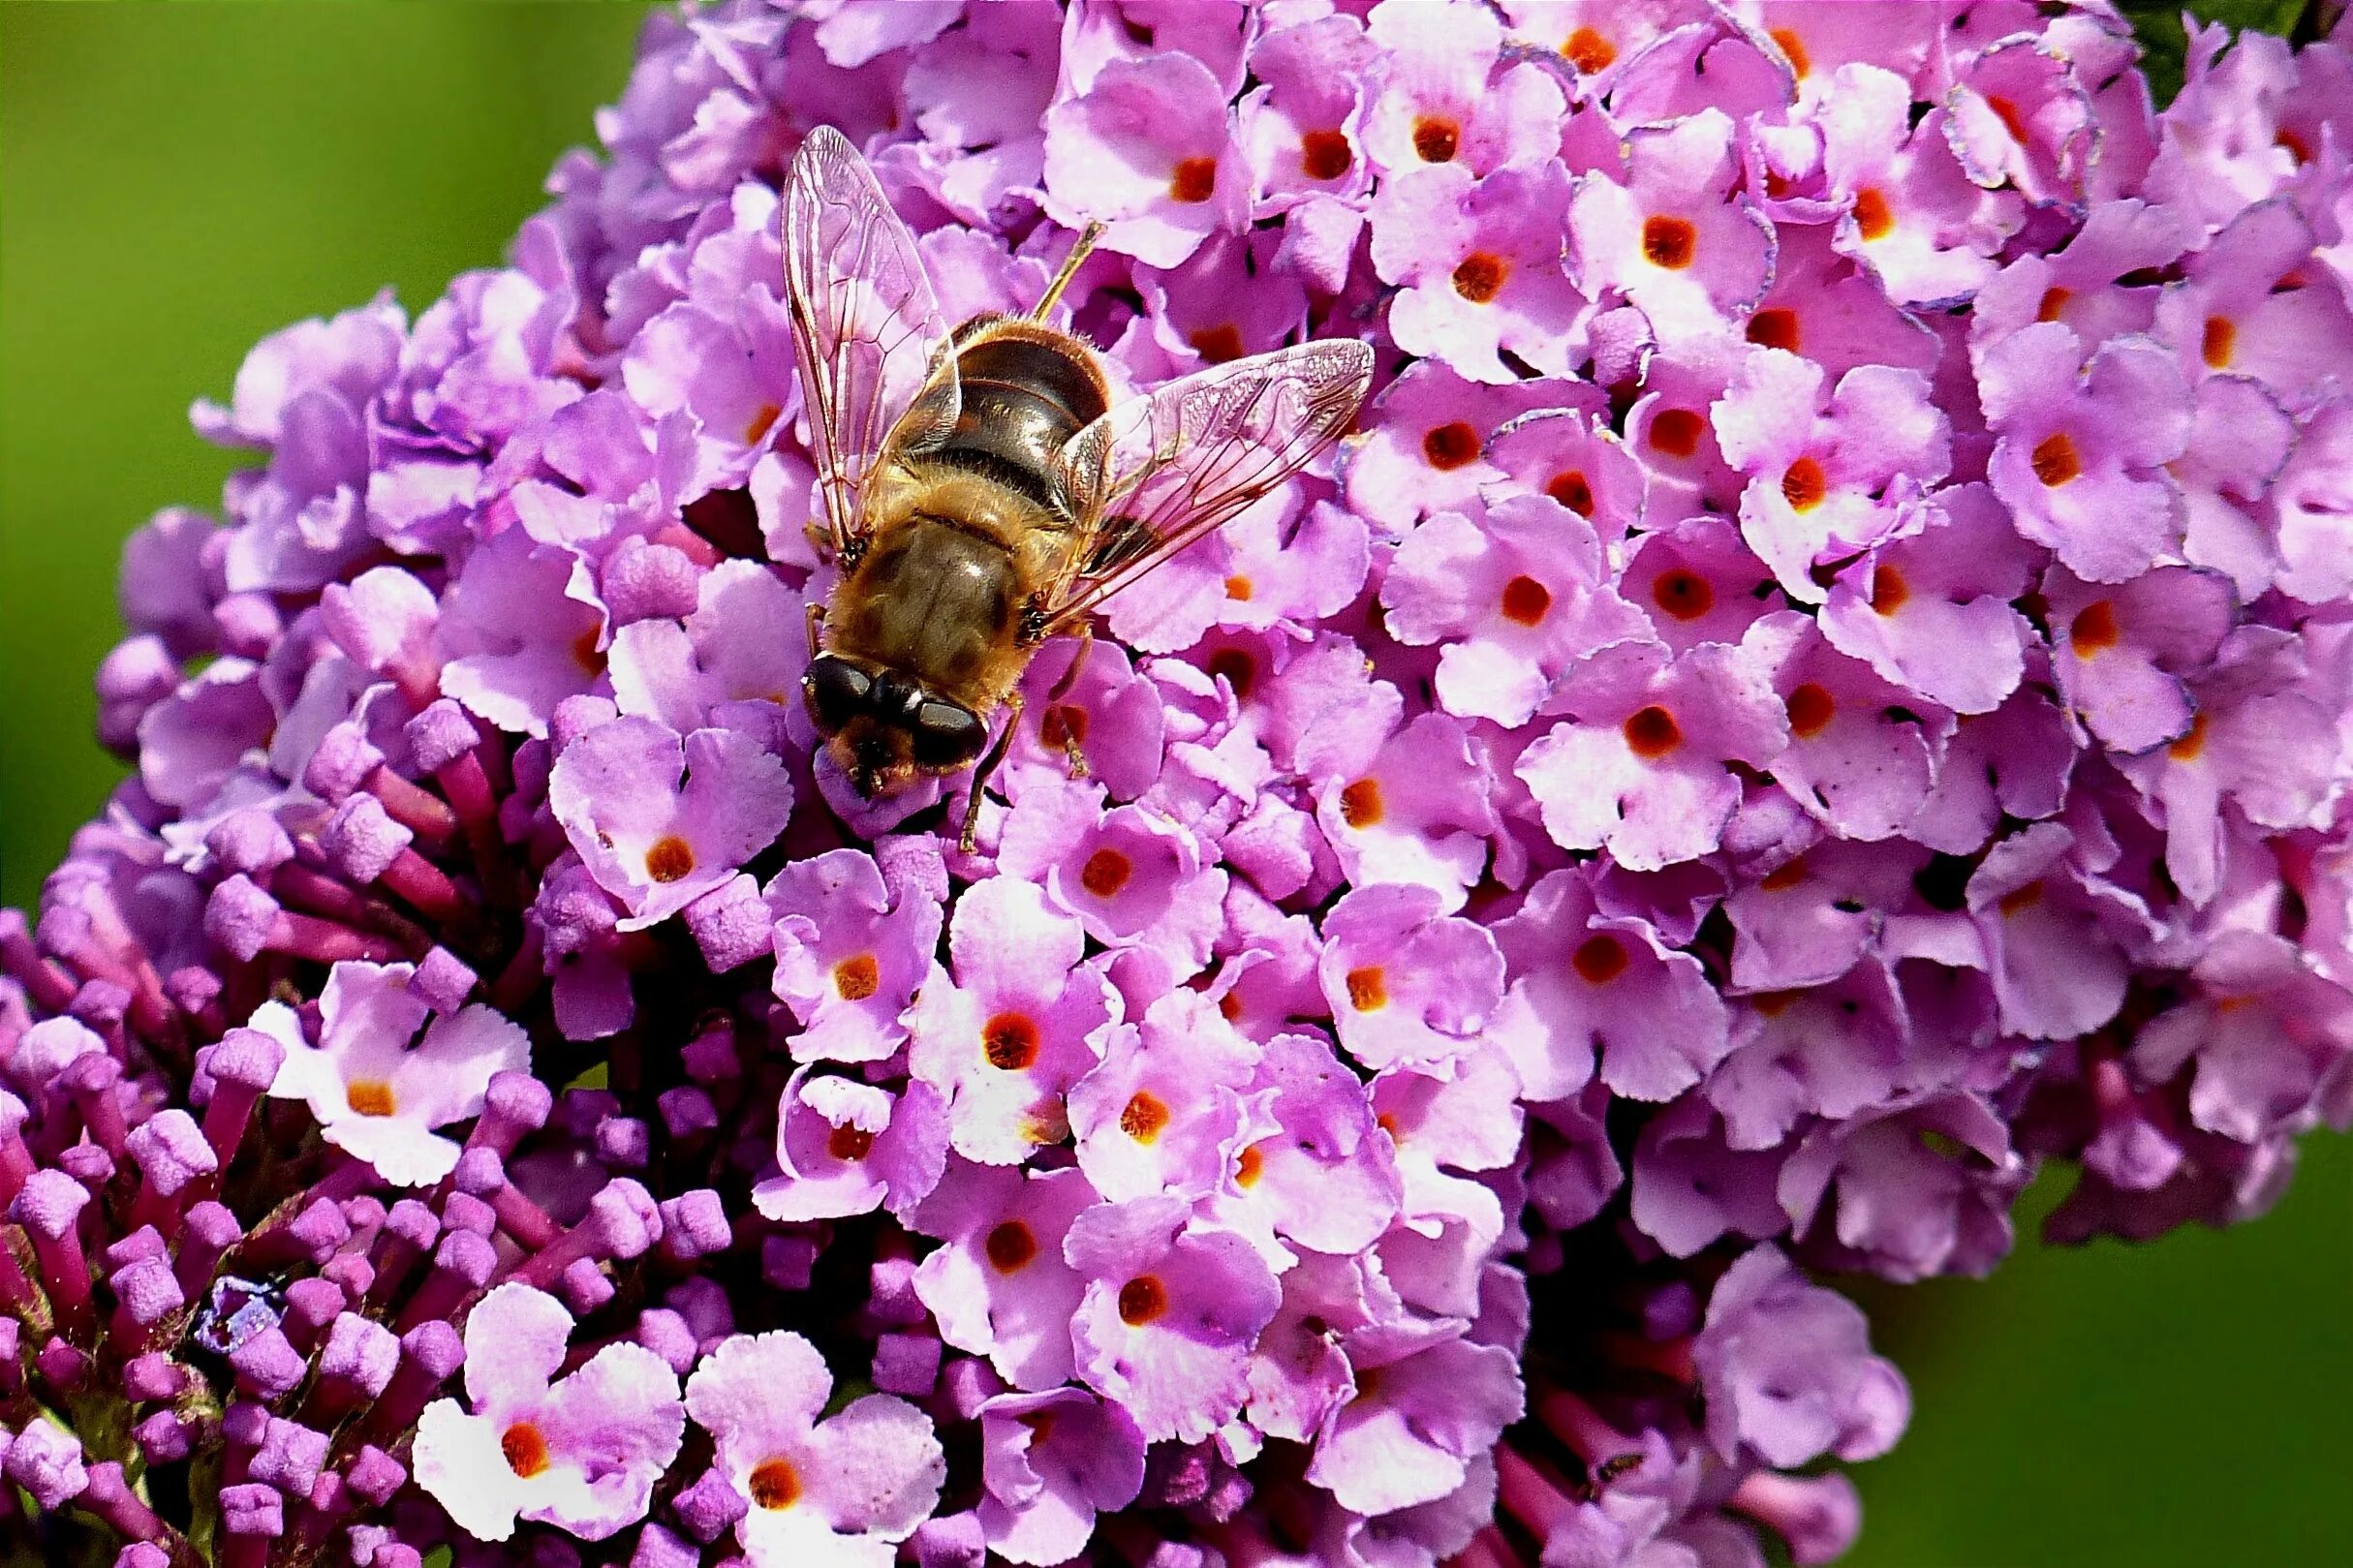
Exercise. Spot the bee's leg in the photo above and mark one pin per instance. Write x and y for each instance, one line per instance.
(817, 618)
(986, 766)
(1062, 688)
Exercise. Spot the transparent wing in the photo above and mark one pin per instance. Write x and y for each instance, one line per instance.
(1153, 476)
(866, 327)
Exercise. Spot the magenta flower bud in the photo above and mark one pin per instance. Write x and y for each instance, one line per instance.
(47, 1461)
(709, 1506)
(361, 841)
(341, 765)
(267, 1364)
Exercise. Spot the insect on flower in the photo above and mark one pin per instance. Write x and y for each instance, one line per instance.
(980, 491)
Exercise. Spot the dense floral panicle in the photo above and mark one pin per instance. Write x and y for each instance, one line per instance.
(1816, 686)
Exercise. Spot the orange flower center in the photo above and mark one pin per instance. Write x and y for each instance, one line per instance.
(1105, 872)
(1804, 485)
(1599, 959)
(2093, 628)
(2188, 747)
(2055, 300)
(1250, 1167)
(586, 654)
(2220, 337)
(1786, 876)
(1874, 219)
(1240, 589)
(774, 1484)
(1810, 710)
(1800, 62)
(1368, 989)
(1481, 276)
(1652, 733)
(1888, 590)
(849, 1143)
(525, 1447)
(1324, 155)
(1217, 344)
(1142, 1300)
(369, 1096)
(1589, 51)
(857, 977)
(1451, 445)
(1011, 1041)
(1063, 724)
(1669, 242)
(1676, 432)
(1436, 139)
(1009, 1247)
(1683, 593)
(1525, 601)
(762, 417)
(1195, 179)
(1572, 490)
(1360, 804)
(2056, 460)
(1238, 667)
(1775, 328)
(671, 858)
(1143, 1116)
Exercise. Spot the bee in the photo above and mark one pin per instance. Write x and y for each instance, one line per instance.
(980, 492)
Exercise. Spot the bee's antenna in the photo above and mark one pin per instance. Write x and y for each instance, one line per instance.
(1079, 252)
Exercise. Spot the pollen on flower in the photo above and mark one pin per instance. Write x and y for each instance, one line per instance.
(1240, 588)
(1573, 490)
(1676, 432)
(1599, 959)
(849, 1143)
(2056, 460)
(1195, 181)
(1248, 1166)
(1324, 155)
(2093, 628)
(1652, 733)
(1526, 600)
(1774, 328)
(1143, 1116)
(1804, 485)
(1142, 1300)
(1451, 445)
(1588, 50)
(1361, 805)
(1874, 219)
(1683, 593)
(1009, 1041)
(1810, 709)
(369, 1096)
(1105, 872)
(857, 977)
(1435, 138)
(669, 859)
(2189, 747)
(1672, 243)
(774, 1484)
(1794, 48)
(1888, 590)
(1368, 989)
(762, 419)
(1009, 1245)
(1479, 276)
(525, 1448)
(2216, 343)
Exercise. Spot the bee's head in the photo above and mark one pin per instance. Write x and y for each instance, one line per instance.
(884, 728)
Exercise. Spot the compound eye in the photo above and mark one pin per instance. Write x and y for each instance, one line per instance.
(947, 735)
(836, 690)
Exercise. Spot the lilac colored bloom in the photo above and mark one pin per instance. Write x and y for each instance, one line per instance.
(660, 819)
(581, 1452)
(1168, 1315)
(372, 1091)
(1816, 687)
(847, 1486)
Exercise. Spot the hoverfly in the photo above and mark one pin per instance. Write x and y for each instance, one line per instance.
(980, 493)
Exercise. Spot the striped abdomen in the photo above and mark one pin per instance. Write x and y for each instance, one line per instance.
(1024, 395)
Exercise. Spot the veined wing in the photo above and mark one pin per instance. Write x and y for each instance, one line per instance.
(867, 331)
(1159, 472)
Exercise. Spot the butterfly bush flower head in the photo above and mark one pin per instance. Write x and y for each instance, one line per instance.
(1812, 688)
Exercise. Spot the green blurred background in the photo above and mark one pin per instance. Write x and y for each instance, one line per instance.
(175, 181)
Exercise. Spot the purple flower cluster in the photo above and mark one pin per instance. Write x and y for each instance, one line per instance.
(1820, 682)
